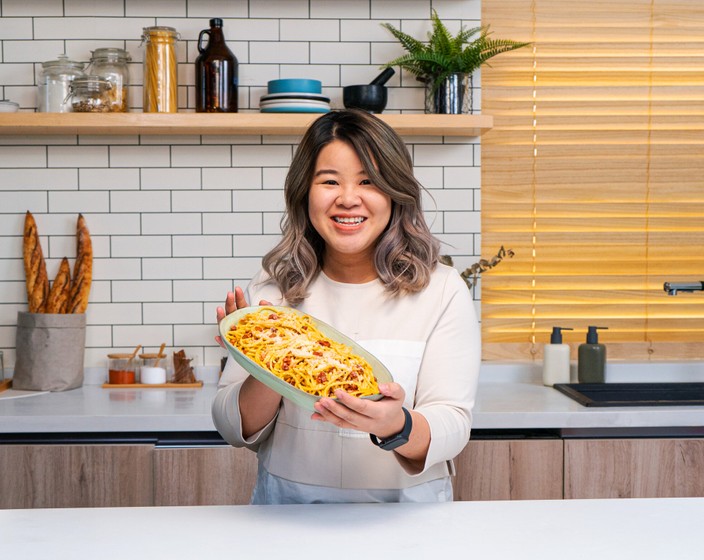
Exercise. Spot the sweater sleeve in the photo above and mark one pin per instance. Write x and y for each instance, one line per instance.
(225, 409)
(448, 376)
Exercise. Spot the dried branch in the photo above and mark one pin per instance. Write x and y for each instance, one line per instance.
(471, 274)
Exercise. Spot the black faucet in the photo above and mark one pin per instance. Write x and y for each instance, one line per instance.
(673, 287)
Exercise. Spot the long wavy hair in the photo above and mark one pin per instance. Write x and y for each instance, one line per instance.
(406, 252)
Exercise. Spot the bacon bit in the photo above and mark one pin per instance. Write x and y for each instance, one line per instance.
(273, 317)
(286, 365)
(324, 343)
(322, 378)
(316, 353)
(354, 375)
(350, 387)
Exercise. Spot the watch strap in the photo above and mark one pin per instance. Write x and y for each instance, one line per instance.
(399, 439)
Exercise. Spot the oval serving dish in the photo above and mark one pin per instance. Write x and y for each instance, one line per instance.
(298, 397)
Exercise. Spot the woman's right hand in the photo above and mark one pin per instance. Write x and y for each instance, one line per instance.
(233, 301)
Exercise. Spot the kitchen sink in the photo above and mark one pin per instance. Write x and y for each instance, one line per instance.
(634, 394)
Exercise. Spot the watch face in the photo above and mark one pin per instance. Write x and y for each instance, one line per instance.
(396, 441)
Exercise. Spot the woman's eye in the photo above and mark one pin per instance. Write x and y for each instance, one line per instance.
(366, 182)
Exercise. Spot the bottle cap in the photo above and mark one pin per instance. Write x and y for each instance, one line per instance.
(556, 336)
(593, 336)
(216, 22)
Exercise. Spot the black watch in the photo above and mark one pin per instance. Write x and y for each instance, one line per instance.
(392, 442)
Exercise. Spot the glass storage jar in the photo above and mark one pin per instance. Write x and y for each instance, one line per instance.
(54, 81)
(91, 94)
(160, 70)
(122, 369)
(111, 64)
(153, 369)
(7, 106)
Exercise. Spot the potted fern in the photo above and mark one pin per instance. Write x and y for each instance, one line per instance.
(446, 62)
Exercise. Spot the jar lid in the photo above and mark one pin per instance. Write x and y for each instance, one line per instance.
(63, 62)
(111, 53)
(9, 106)
(90, 83)
(159, 32)
(152, 356)
(120, 356)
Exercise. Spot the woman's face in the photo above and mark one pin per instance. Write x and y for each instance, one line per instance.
(345, 207)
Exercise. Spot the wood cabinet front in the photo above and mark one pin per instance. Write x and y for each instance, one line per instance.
(52, 476)
(634, 468)
(509, 470)
(203, 476)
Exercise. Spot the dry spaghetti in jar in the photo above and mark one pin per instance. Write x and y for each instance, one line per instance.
(160, 70)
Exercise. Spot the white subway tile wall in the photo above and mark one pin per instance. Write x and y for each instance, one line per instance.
(177, 221)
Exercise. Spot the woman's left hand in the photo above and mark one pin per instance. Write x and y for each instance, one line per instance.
(382, 418)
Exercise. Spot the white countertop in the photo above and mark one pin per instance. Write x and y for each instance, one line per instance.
(509, 398)
(622, 529)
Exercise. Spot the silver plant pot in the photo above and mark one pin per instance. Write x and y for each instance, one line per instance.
(453, 96)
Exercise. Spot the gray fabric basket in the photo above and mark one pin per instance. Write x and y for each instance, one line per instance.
(50, 351)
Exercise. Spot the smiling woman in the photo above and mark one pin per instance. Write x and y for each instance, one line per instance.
(356, 254)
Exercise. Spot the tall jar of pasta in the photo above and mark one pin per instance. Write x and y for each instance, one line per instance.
(160, 70)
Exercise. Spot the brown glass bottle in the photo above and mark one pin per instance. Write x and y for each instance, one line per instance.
(216, 73)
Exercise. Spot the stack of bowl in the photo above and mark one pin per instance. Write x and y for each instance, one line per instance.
(294, 95)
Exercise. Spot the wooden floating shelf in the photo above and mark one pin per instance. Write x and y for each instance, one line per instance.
(293, 124)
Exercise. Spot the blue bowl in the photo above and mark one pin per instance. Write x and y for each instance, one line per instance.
(294, 85)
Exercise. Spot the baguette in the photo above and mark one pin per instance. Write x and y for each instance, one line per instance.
(82, 269)
(36, 279)
(60, 289)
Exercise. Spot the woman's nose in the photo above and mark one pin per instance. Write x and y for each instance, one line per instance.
(348, 196)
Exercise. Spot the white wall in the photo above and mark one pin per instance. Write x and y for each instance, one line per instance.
(176, 222)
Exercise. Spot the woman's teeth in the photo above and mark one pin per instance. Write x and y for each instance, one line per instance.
(357, 220)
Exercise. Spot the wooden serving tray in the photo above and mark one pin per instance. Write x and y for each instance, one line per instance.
(196, 385)
(5, 385)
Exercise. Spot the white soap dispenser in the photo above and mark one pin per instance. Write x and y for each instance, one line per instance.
(556, 359)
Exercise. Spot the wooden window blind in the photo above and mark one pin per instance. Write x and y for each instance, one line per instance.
(594, 175)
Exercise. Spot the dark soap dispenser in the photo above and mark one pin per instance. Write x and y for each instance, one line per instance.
(591, 358)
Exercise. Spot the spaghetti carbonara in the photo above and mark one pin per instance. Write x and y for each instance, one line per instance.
(292, 348)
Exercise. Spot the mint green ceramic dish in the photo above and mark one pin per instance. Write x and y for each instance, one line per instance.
(290, 392)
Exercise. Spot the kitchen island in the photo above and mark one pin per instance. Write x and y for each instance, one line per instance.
(540, 530)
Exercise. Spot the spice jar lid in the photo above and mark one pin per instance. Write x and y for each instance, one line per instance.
(119, 356)
(9, 106)
(111, 53)
(152, 356)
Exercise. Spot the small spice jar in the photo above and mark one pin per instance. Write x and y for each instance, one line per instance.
(111, 64)
(152, 369)
(160, 70)
(54, 81)
(122, 369)
(91, 94)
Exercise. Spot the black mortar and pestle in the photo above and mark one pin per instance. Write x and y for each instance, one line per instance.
(370, 97)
